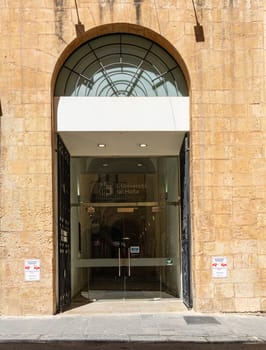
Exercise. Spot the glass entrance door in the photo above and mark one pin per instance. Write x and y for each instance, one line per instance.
(129, 231)
(122, 258)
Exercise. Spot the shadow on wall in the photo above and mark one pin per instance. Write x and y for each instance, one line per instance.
(110, 4)
(59, 9)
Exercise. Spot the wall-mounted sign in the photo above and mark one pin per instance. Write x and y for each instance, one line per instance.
(32, 270)
(219, 267)
(134, 249)
(106, 191)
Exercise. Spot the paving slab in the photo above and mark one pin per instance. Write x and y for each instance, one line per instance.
(161, 327)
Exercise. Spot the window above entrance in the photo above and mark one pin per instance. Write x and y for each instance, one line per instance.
(120, 65)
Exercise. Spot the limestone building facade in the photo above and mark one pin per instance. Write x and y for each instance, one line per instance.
(184, 78)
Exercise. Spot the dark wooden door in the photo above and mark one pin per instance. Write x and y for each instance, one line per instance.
(185, 222)
(63, 173)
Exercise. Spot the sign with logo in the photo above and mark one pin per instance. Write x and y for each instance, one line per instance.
(32, 270)
(219, 267)
(134, 249)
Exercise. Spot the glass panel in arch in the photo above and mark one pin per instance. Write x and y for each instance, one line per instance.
(77, 55)
(108, 50)
(130, 39)
(104, 40)
(120, 50)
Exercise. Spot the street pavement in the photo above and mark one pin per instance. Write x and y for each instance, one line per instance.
(171, 327)
(70, 345)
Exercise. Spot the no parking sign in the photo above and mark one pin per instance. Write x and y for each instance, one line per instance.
(219, 266)
(32, 270)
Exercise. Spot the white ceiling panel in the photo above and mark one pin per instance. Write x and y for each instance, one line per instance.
(122, 143)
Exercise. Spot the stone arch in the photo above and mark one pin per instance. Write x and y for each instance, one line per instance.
(179, 130)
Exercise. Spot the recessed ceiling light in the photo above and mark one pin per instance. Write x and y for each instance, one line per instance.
(143, 145)
(105, 165)
(139, 164)
(101, 145)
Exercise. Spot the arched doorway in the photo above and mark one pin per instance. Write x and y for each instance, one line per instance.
(122, 116)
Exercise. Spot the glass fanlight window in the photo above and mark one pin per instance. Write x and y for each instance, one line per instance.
(120, 65)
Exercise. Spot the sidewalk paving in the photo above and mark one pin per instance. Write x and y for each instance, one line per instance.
(161, 327)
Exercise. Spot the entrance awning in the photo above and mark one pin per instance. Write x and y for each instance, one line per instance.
(123, 114)
(122, 123)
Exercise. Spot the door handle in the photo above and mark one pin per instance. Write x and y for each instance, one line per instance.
(129, 262)
(119, 262)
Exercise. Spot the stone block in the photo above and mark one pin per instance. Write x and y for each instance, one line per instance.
(223, 234)
(12, 304)
(198, 247)
(214, 248)
(204, 304)
(44, 302)
(204, 124)
(222, 207)
(244, 290)
(241, 217)
(224, 304)
(38, 139)
(262, 247)
(263, 305)
(205, 291)
(17, 167)
(243, 275)
(260, 289)
(245, 255)
(245, 232)
(241, 178)
(33, 153)
(36, 110)
(202, 277)
(202, 263)
(224, 290)
(262, 261)
(203, 222)
(242, 124)
(42, 166)
(258, 179)
(222, 220)
(240, 166)
(257, 165)
(247, 304)
(261, 219)
(262, 274)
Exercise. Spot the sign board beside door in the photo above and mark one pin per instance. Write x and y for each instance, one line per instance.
(32, 270)
(219, 267)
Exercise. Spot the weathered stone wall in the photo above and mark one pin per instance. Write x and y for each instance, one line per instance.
(228, 183)
(228, 143)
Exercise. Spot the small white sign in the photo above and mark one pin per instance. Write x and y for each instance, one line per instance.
(32, 270)
(219, 267)
(134, 249)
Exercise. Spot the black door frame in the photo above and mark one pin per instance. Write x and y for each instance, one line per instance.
(185, 223)
(64, 243)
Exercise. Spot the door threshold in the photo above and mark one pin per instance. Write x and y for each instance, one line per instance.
(127, 306)
(111, 295)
